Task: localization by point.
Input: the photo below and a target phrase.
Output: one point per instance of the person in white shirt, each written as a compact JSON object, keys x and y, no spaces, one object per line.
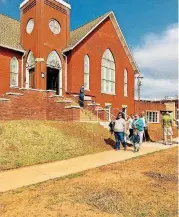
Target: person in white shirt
{"x":119,"y":132}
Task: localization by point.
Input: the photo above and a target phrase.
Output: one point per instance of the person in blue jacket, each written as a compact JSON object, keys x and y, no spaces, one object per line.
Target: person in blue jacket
{"x":82,"y":95}
{"x":138,"y":126}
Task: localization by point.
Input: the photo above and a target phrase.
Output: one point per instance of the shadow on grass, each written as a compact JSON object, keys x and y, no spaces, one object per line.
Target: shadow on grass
{"x":110,"y":142}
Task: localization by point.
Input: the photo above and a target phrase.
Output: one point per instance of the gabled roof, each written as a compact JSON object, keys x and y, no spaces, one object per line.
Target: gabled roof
{"x":82,"y":32}
{"x":10,"y":33}
{"x":78,"y":34}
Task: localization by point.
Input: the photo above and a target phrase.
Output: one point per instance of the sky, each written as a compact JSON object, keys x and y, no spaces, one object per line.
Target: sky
{"x":151,"y":31}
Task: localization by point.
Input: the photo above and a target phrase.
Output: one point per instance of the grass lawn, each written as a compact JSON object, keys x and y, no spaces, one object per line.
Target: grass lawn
{"x":141,"y":187}
{"x":24,"y":143}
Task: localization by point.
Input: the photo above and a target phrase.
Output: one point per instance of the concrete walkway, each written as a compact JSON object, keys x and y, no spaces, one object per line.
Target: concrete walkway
{"x":17,"y":178}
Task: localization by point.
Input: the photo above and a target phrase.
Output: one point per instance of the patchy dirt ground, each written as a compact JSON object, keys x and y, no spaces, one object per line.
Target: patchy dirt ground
{"x":141,"y":187}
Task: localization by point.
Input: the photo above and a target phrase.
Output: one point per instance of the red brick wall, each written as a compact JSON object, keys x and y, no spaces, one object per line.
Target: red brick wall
{"x":36,"y":105}
{"x":141,"y":106}
{"x":42,"y":41}
{"x":5,"y":57}
{"x":155,"y":129}
{"x":104,"y":37}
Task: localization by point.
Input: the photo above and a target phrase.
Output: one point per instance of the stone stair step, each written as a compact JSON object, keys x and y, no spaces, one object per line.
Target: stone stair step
{"x":72,"y":106}
{"x":64,"y":101}
{"x":55,"y":96}
{"x":4,"y":100}
{"x":14,"y":94}
{"x":93,"y":104}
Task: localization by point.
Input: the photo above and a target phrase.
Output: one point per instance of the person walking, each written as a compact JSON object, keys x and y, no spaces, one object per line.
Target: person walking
{"x":119,"y":132}
{"x":146,"y":136}
{"x":167,"y":127}
{"x":138,"y":126}
{"x":82,"y":95}
{"x":130,"y":121}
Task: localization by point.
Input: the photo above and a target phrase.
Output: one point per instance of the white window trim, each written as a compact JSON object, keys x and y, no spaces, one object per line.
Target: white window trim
{"x":158,"y":117}
{"x":109,"y":80}
{"x":17,"y":85}
{"x":87,"y":88}
{"x":126,"y":82}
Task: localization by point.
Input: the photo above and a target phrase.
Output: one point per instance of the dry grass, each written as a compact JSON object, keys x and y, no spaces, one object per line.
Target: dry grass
{"x":141,"y":187}
{"x":24,"y":143}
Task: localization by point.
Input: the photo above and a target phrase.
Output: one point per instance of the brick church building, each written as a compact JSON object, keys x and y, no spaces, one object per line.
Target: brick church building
{"x":39,"y":55}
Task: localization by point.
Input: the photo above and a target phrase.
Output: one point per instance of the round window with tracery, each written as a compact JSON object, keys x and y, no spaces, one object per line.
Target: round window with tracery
{"x":54,"y":26}
{"x":30,"y":26}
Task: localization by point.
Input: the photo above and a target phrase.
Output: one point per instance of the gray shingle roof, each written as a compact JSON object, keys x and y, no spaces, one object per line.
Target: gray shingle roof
{"x":10,"y":33}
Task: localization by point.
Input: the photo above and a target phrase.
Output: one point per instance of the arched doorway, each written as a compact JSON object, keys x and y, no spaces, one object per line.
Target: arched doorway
{"x":30,"y":70}
{"x":54,"y":73}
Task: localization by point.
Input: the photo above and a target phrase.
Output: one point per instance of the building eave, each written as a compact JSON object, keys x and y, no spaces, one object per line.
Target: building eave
{"x":11,"y":48}
{"x":121,"y":38}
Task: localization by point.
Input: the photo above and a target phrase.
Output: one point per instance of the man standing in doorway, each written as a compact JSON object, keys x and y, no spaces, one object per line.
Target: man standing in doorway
{"x":167,"y":127}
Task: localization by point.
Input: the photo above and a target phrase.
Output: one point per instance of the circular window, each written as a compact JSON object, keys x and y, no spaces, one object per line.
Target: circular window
{"x":54,"y":26}
{"x":30,"y":26}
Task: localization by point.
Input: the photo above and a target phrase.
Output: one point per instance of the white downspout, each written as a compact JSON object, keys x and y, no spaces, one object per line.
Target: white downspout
{"x":22,"y":70}
{"x":66,"y":70}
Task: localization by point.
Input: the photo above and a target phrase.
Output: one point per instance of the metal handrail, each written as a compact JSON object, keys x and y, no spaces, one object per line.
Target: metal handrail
{"x":88,"y":107}
{"x":97,"y":109}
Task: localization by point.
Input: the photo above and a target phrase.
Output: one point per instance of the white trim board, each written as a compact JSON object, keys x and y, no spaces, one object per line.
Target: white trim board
{"x":121,"y":38}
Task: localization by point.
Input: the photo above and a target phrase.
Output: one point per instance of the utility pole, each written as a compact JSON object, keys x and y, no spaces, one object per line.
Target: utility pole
{"x":139,"y":84}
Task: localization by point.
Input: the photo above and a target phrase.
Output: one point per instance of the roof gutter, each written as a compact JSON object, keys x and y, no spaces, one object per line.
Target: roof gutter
{"x":11,"y":48}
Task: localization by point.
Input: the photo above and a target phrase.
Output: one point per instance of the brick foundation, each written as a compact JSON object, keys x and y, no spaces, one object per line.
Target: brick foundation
{"x":36,"y":105}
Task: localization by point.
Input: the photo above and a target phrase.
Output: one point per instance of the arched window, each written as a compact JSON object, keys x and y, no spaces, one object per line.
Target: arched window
{"x":54,"y":73}
{"x":125,"y":82}
{"x":86,"y":72}
{"x":108,"y":73}
{"x":30,"y":60}
{"x":53,"y":60}
{"x":14,"y":69}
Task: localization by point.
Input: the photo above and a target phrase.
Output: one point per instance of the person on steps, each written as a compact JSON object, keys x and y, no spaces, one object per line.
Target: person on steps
{"x":82,"y":95}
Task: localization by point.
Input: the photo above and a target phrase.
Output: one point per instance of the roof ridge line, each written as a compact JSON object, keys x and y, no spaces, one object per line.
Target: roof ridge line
{"x":10,"y":17}
{"x":107,"y":13}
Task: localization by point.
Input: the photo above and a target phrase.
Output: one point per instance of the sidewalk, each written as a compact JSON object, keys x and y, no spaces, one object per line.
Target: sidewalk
{"x":17,"y":178}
